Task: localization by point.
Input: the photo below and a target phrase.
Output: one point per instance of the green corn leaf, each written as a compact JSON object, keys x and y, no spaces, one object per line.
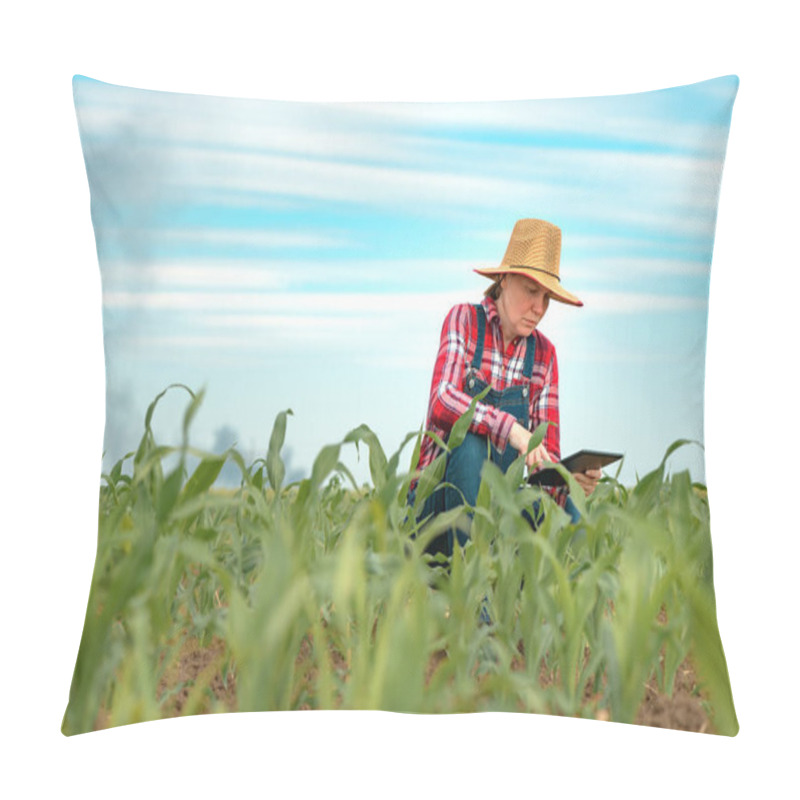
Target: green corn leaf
{"x":191,"y":411}
{"x":347,"y":473}
{"x":439,"y":442}
{"x":675,"y":445}
{"x":461,"y":426}
{"x":377,"y":456}
{"x":275,"y":466}
{"x":538,"y":436}
{"x":152,"y":407}
{"x":324,"y":464}
{"x":168,"y":494}
{"x":394,"y":461}
{"x":203,"y":477}
{"x":429,"y":480}
{"x":205,"y":534}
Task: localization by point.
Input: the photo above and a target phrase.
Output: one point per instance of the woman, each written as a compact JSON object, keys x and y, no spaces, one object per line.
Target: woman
{"x":497,"y":344}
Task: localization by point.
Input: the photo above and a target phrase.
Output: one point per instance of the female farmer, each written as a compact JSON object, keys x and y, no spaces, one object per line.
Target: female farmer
{"x":497,"y":343}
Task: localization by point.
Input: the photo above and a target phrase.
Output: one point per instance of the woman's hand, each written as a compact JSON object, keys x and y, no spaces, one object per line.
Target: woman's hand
{"x":588,"y":480}
{"x":519,"y":438}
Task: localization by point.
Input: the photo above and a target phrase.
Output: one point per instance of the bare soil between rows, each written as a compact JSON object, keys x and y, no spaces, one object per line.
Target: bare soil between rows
{"x":189,"y":685}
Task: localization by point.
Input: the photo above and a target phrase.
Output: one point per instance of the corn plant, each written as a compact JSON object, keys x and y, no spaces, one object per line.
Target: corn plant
{"x":319,"y":594}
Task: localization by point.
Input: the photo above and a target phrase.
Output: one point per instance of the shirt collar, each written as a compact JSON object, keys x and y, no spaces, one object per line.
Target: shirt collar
{"x":490,"y":307}
{"x":493,"y":318}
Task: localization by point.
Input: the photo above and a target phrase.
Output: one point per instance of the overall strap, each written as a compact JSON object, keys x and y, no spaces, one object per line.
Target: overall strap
{"x":530,"y":352}
{"x":478,"y":357}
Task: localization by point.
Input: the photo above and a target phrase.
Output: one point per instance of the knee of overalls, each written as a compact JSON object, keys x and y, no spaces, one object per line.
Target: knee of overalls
{"x":464,"y":466}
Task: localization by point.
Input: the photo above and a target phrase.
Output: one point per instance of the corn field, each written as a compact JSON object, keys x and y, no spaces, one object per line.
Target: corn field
{"x":318,"y":594}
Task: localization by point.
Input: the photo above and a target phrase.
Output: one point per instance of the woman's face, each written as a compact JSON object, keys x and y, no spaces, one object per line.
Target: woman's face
{"x":521,"y":305}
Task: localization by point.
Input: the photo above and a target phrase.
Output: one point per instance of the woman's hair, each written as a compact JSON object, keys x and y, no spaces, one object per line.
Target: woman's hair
{"x":494,"y":290}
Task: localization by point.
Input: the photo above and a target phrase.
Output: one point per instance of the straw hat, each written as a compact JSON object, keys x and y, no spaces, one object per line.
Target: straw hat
{"x":534,"y":251}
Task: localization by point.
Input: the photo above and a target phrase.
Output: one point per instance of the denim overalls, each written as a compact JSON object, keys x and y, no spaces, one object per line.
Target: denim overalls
{"x":465,"y":462}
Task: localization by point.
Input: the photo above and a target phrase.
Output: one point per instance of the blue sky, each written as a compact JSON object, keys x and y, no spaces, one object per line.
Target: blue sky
{"x":303,"y":256}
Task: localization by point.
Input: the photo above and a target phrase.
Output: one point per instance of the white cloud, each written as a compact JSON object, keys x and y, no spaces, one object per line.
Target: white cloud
{"x":301,"y":303}
{"x":207,"y":235}
{"x":639,"y":302}
{"x":249,"y":238}
{"x":304,"y":304}
{"x":612,"y":117}
{"x":635,"y":267}
{"x":369,"y":338}
{"x":291,"y":325}
{"x":284,"y":273}
{"x":334,"y":180}
{"x":537,"y":176}
{"x":381,"y":131}
{"x":625,"y":357}
{"x":193,"y":275}
{"x":401,"y":155}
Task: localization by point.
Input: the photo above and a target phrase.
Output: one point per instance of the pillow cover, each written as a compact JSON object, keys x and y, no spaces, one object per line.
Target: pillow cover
{"x":275,"y":280}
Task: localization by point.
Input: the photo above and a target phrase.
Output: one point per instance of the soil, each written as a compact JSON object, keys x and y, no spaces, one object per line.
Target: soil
{"x":197,"y":673}
{"x":197,"y":676}
{"x":683,"y":711}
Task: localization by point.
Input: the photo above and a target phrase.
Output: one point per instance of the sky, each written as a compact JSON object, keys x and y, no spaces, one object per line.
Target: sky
{"x":303,"y":256}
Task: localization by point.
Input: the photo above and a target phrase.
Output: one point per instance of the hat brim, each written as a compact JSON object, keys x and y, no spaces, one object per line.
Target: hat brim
{"x":553,"y":286}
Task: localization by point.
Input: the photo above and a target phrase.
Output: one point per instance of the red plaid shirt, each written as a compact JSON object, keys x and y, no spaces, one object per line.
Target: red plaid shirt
{"x":500,"y":368}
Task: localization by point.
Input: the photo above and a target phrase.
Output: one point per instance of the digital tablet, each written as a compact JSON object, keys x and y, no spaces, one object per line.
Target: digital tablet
{"x":577,"y":462}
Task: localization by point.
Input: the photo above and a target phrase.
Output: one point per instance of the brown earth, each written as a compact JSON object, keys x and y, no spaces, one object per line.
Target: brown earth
{"x":683,"y":711}
{"x":189,"y":683}
{"x":197,"y":676}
